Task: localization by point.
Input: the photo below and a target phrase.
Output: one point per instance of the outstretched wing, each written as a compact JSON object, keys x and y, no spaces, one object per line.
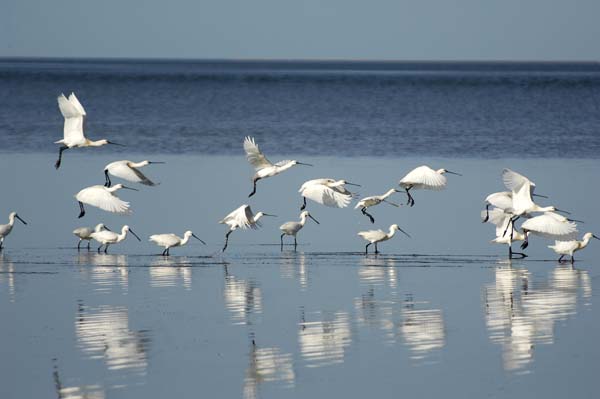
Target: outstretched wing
{"x":73,"y":114}
{"x":326,"y":196}
{"x":124,"y":171}
{"x":514,"y":181}
{"x":424,"y":177}
{"x":256,"y":158}
{"x":99,"y":197}
{"x":551,"y":226}
{"x":502,"y":200}
{"x":240,"y":218}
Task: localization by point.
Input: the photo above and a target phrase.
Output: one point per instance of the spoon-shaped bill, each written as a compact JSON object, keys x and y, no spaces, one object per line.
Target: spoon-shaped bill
{"x":268,"y":214}
{"x":303,"y":163}
{"x":19,"y":217}
{"x":408,"y":235}
{"x":130,"y":188}
{"x":453,"y":173}
{"x":316,"y":221}
{"x":135,"y":235}
{"x":196,"y":237}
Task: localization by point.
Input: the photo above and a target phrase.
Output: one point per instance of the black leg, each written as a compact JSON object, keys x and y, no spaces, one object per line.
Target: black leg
{"x":106,"y":249}
{"x":303,"y":204}
{"x":367,"y":249}
{"x":411,"y":200}
{"x":511,"y":254}
{"x":88,"y":245}
{"x":100,"y":247}
{"x":487,"y":213}
{"x":364,"y":212}
{"x":254,"y":187}
{"x":572,"y":259}
{"x":226,"y":240}
{"x":164,"y":252}
{"x":376,"y":250}
{"x":295,"y":243}
{"x":107,"y":182}
{"x":78,"y":244}
{"x":560,"y":259}
{"x":282,"y":241}
{"x":60,"y":151}
{"x":168,"y":251}
{"x":81,"y":210}
{"x":525,"y":243}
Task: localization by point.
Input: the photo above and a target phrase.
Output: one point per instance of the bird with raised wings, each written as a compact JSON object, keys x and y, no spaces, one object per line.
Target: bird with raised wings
{"x":74,"y":114}
{"x":129,"y":171}
{"x":328,"y":192}
{"x":264,"y":168}
{"x":241,"y":218}
{"x":424,"y":178}
{"x":103,"y":198}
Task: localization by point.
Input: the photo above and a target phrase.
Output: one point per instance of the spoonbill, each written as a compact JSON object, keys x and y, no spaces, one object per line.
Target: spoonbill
{"x":376,"y":236}
{"x":129,"y":171}
{"x":73,"y":112}
{"x":425,"y":178}
{"x":103,"y":198}
{"x":327,"y":192}
{"x":242,"y":218}
{"x":564,"y":248}
{"x":106,"y":237}
{"x":550,"y":225}
{"x":169,"y":241}
{"x":5,"y":229}
{"x":292,"y":228}
{"x":501,"y":220}
{"x":264,"y":168}
{"x":368,"y":202}
{"x":85,"y":233}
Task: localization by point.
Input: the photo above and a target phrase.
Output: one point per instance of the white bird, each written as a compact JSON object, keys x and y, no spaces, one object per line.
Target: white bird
{"x":376,"y":236}
{"x":328,"y":192}
{"x":169,"y":241}
{"x":292,"y":228}
{"x":74,"y":114}
{"x":103,"y":198}
{"x":85,"y":233}
{"x":5,"y":229}
{"x":106,"y":237}
{"x":501,"y":220}
{"x":424,"y":178}
{"x":368,"y":202}
{"x":563,"y":248}
{"x":242,"y":218}
{"x":129,"y":171}
{"x":264,"y":168}
{"x":549,"y":225}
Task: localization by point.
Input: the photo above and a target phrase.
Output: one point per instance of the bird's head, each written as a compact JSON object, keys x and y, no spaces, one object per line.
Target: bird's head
{"x":442,"y":171}
{"x":128,"y":229}
{"x":343,"y":183}
{"x":189,"y":234}
{"x":306,"y":214}
{"x":14,"y":215}
{"x":587,"y":236}
{"x":397,"y":228}
{"x":294,"y":162}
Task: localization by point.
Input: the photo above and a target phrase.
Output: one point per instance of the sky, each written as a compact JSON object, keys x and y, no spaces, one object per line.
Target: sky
{"x":303,"y":29}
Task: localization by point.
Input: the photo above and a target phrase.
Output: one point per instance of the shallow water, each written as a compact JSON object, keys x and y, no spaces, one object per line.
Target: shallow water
{"x":440,"y":314}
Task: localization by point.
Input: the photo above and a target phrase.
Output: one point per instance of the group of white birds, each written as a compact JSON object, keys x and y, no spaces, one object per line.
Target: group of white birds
{"x":507,"y":206}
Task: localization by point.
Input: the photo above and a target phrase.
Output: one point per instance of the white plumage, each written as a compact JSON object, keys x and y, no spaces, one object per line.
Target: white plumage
{"x":106,"y":237}
{"x":376,"y":236}
{"x":570,"y":247}
{"x":241,"y":218}
{"x":549,"y":225}
{"x":264,"y":168}
{"x":85,"y":233}
{"x":5,"y":229}
{"x":327,"y":192}
{"x":368,"y":202}
{"x":129,"y":171}
{"x":424,"y":178}
{"x":168,"y":241}
{"x":502,"y":221}
{"x":292,"y":228}
{"x":103,"y":198}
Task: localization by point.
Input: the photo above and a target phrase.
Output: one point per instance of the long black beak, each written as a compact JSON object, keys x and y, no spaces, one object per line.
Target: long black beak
{"x":106,"y":228}
{"x":135,"y":235}
{"x":302,"y":163}
{"x":153,"y":162}
{"x":129,"y":188}
{"x":408,"y":235}
{"x":316,"y":221}
{"x":113,"y":143}
{"x":266,"y":214}
{"x":453,"y":173}
{"x":575,"y":220}
{"x":539,"y":195}
{"x":22,"y":221}
{"x":560,"y":210}
{"x":353,"y":184}
{"x":596,"y":237}
{"x":196,"y":237}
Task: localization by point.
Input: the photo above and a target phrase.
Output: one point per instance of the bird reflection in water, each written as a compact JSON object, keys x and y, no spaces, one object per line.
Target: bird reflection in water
{"x":324,"y":341}
{"x":75,"y":392}
{"x":7,"y":276}
{"x":521,"y":309}
{"x":243,"y":298}
{"x":378,"y":271}
{"x":103,"y":333}
{"x":107,"y":271}
{"x":170,"y":272}
{"x":267,"y":365}
{"x":293,"y":266}
{"x":423,"y":329}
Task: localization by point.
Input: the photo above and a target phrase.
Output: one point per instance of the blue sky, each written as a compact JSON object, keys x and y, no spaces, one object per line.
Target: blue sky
{"x":303,"y":29}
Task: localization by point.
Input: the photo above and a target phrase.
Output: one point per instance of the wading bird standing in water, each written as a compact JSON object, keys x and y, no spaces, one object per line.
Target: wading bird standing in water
{"x":74,"y":114}
{"x":106,"y":237}
{"x":168,"y":241}
{"x":376,"y":236}
{"x":103,"y":198}
{"x":501,"y":220}
{"x":5,"y":229}
{"x":264,"y":168}
{"x":241,"y":218}
{"x":292,"y":228}
{"x":129,"y":171}
{"x":368,"y":202}
{"x":425,"y":178}
{"x":328,"y":192}
{"x":85,"y":233}
{"x":564,"y":248}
